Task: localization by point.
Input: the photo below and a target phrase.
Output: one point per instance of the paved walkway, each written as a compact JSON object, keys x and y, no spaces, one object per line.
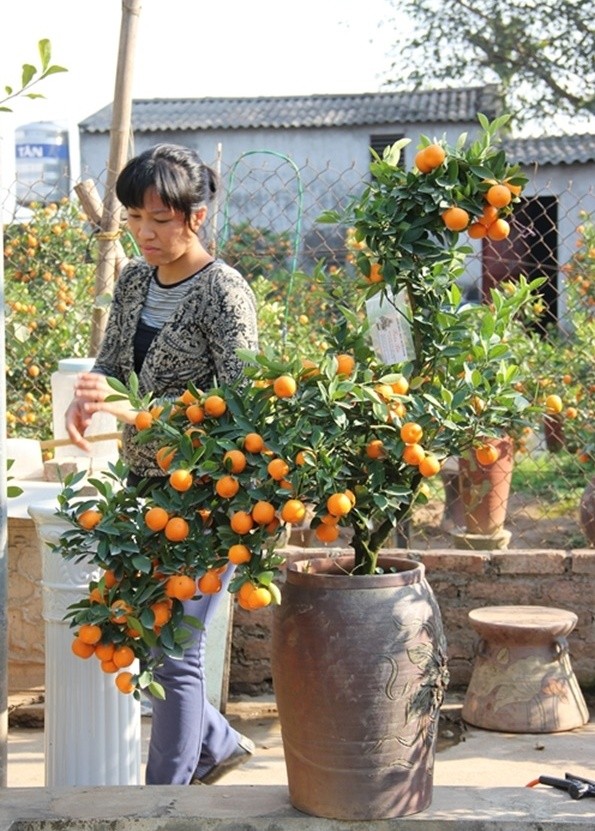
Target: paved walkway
{"x":480,"y":776}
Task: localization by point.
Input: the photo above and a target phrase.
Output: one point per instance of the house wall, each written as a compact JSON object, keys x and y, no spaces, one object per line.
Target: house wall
{"x":339,"y":148}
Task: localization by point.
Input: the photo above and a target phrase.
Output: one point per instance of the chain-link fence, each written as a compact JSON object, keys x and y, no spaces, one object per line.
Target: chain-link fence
{"x":266,"y":225}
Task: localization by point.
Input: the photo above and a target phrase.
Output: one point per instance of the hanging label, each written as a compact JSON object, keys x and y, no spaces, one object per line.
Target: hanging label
{"x":390,"y":329}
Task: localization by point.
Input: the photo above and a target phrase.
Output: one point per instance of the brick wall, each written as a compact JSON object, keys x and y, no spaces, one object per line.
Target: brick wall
{"x":461,"y":581}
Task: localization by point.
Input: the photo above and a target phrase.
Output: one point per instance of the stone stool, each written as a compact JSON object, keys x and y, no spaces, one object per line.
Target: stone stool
{"x":522,"y":680}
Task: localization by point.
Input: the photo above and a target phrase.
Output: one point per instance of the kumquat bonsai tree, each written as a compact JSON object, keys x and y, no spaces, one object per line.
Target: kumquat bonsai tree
{"x":345,"y":440}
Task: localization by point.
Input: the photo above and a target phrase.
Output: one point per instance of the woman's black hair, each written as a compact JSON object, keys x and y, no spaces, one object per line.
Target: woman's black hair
{"x":178,"y":175}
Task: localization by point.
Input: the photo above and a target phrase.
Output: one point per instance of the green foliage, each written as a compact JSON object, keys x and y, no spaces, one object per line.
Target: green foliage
{"x":553,"y":479}
{"x":580,"y":271}
{"x":257,"y":251}
{"x":28,"y":79}
{"x":534,"y":51}
{"x":559,"y":360}
{"x":294,"y":308}
{"x":340,"y":431}
{"x":303,"y":317}
{"x":48,"y":265}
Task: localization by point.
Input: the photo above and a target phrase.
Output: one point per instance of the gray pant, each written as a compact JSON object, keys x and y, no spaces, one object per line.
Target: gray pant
{"x":188,"y":734}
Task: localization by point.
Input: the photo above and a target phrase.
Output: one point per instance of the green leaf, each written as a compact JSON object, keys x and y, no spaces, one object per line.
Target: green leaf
{"x":117,"y":385}
{"x":102,"y":301}
{"x":194,"y":622}
{"x":156,"y":690}
{"x":167,"y":637}
{"x":142,"y":564}
{"x":331,"y":217}
{"x":147,"y":619}
{"x":484,"y":121}
{"x":52,"y":70}
{"x":44,"y":48}
{"x":275,"y":593}
{"x":392,"y":155}
{"x":266,"y":578}
{"x":27,"y":74}
{"x":487,"y":327}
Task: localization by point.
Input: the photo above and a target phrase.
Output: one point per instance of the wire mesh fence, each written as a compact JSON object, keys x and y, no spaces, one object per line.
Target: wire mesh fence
{"x":266,"y":225}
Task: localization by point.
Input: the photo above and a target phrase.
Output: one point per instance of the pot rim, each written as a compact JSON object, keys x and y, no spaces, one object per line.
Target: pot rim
{"x":333,"y":572}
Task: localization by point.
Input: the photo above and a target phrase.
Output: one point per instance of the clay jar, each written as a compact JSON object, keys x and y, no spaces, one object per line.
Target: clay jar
{"x":359,"y":671}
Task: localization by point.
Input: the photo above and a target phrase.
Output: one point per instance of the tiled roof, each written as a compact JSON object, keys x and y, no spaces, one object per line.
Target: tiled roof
{"x":572,"y":149}
{"x":302,"y":111}
{"x":363,"y":109}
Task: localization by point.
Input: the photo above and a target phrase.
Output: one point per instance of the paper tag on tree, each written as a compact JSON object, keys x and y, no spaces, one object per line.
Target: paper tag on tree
{"x":388,"y":316}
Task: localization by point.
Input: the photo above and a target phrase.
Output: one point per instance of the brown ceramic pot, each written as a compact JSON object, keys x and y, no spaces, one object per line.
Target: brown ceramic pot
{"x":359,"y":671}
{"x":587,"y":512}
{"x":553,"y":431}
{"x":485,"y":489}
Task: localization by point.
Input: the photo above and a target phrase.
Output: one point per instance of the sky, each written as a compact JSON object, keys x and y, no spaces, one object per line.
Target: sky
{"x":186,"y":48}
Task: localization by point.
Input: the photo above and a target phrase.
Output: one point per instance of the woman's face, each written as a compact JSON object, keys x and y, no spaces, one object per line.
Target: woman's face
{"x":161,"y":233}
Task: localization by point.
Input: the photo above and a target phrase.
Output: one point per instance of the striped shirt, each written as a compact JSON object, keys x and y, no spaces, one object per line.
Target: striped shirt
{"x":162,"y":300}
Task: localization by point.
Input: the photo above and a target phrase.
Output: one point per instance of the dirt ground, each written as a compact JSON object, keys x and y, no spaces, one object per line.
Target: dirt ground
{"x":528,"y":521}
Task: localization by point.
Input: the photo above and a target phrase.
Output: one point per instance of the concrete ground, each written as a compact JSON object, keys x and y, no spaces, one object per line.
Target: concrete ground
{"x":480,"y":778}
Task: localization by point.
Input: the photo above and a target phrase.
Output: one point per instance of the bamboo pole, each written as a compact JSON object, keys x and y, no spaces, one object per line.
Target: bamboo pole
{"x":119,"y":142}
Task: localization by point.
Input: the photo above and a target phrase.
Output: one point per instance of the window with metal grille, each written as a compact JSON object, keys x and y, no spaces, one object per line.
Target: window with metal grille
{"x":382,"y":140}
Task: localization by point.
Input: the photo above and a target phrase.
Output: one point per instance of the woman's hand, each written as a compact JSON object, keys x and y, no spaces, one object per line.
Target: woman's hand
{"x":90,"y":391}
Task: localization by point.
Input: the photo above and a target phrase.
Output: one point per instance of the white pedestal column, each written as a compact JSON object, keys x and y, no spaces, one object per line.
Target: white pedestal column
{"x":92,"y":730}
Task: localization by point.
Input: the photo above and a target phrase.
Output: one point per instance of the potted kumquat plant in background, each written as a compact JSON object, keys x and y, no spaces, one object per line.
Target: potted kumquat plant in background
{"x":350,"y":436}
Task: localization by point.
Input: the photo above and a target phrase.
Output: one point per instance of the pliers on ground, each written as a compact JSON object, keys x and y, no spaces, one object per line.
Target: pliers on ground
{"x":577,"y":786}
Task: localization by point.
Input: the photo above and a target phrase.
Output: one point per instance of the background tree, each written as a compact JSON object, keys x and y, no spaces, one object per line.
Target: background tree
{"x":28,"y":78}
{"x":541,"y":54}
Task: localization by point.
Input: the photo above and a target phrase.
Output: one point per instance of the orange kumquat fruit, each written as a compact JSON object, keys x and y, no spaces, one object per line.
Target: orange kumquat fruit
{"x":156,"y":518}
{"x":284,"y":386}
{"x":177,"y":529}
{"x":124,"y":682}
{"x":82,"y":649}
{"x":90,"y":633}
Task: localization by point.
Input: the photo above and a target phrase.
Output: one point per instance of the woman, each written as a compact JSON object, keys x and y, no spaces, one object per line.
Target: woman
{"x":177,"y":315}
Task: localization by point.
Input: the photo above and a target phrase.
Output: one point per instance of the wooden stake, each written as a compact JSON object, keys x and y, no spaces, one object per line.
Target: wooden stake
{"x":51,"y":443}
{"x":93,"y":207}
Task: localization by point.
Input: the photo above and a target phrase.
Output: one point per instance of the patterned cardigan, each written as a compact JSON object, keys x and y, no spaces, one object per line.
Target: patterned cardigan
{"x":198,"y":343}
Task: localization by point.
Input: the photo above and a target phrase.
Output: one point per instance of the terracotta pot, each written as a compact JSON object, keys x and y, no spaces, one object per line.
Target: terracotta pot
{"x":485,"y":489}
{"x":553,"y":432}
{"x":359,"y":672}
{"x":454,"y":510}
{"x":587,"y":512}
